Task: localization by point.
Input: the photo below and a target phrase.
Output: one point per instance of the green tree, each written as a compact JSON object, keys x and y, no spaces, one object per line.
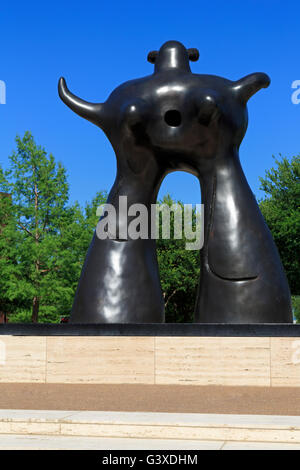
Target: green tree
{"x":76,"y":236}
{"x":179,"y":273}
{"x":11,"y":293}
{"x":281,"y":210}
{"x":296,"y":307}
{"x":32,"y":239}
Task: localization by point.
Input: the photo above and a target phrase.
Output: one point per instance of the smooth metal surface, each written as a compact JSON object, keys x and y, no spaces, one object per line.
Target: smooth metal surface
{"x":176,"y":120}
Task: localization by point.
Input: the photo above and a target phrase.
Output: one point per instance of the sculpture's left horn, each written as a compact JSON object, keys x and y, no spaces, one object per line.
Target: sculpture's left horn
{"x":249,"y":85}
{"x":93,"y":112}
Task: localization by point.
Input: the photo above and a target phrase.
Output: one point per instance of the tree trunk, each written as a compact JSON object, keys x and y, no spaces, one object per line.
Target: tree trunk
{"x":2,"y":317}
{"x":35,"y":309}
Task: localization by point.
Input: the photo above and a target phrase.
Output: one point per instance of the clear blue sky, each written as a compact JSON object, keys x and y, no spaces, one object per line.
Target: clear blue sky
{"x":97,"y":45}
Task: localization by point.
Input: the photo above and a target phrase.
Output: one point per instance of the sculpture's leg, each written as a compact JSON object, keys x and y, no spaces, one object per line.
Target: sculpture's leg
{"x":119,"y":284}
{"x":242,"y":278}
{"x":120,"y":281}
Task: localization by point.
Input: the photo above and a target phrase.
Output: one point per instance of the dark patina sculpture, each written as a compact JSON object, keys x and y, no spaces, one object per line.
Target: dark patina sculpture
{"x":176,"y":120}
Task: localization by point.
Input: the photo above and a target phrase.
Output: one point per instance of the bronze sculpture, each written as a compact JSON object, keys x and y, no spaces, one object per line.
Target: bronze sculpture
{"x":176,"y":120}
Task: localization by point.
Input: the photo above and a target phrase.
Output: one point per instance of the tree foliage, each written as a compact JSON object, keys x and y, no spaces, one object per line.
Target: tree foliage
{"x":296,"y":307}
{"x":281,"y":210}
{"x":43,"y":239}
{"x":179,"y":273}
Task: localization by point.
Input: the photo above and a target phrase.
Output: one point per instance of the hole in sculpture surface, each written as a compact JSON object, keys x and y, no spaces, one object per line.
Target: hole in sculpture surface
{"x":173,"y":118}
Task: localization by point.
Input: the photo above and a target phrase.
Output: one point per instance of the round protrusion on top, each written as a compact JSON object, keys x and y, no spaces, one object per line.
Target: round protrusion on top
{"x":193,"y":54}
{"x":152,"y":56}
{"x":173,"y":55}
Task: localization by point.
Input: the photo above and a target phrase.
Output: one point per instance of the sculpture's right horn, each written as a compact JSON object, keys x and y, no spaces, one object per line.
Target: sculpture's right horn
{"x":249,"y":85}
{"x":93,"y":112}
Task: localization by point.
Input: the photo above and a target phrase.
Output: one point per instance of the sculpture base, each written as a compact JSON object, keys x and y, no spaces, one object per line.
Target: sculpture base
{"x":178,"y":354}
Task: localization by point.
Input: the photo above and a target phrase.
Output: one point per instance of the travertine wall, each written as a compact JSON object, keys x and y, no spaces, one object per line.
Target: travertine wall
{"x":151,"y":360}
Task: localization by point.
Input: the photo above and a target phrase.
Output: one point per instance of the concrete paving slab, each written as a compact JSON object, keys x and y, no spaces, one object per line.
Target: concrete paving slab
{"x":161,"y":426}
{"x":259,"y":446}
{"x":20,"y":442}
{"x":184,"y":419}
{"x":34,"y":415}
{"x":40,"y":442}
